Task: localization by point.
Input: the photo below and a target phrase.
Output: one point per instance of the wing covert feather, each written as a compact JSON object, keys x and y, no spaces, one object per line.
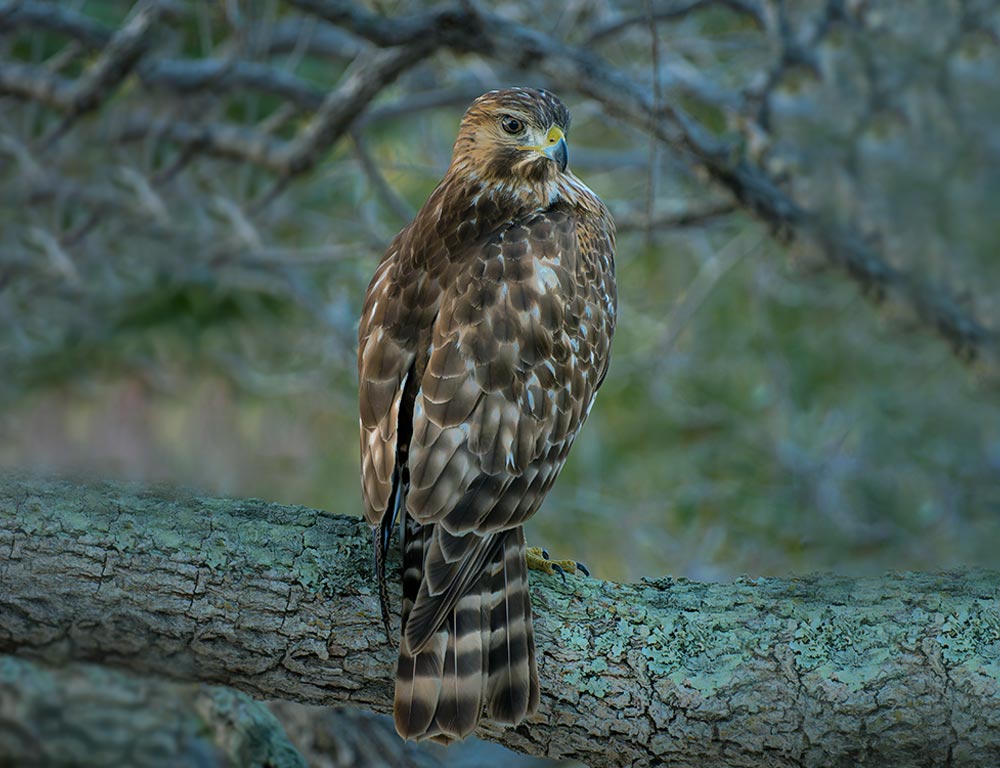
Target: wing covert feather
{"x":384,"y":365}
{"x":510,"y":374}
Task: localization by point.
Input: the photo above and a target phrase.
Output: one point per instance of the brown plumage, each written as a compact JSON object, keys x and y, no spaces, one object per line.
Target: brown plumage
{"x":484,"y":335}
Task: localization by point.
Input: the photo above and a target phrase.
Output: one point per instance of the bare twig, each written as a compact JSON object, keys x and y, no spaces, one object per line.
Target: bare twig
{"x":53,"y":17}
{"x":399,"y":207}
{"x":317,"y":39}
{"x":226,"y":140}
{"x":368,"y":75}
{"x":753,"y":187}
{"x":714,"y":268}
{"x":654,"y":145}
{"x":185,"y":76}
{"x":117,"y":59}
{"x":36,"y":84}
{"x":688,"y":217}
{"x":672,"y":11}
{"x":337,"y":112}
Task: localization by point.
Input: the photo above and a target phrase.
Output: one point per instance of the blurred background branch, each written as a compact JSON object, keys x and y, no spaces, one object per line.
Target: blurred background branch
{"x":406,"y":40}
{"x":87,"y":714}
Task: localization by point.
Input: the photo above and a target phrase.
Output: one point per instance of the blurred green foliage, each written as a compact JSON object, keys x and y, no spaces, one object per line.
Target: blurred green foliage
{"x":164,"y":317}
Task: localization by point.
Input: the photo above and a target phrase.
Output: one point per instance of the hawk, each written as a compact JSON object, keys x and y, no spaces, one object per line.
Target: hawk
{"x":484,"y":336}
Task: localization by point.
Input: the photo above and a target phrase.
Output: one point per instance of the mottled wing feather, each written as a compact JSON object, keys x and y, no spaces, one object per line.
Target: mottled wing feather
{"x":509,"y":378}
{"x":384,"y":364}
{"x":508,"y":383}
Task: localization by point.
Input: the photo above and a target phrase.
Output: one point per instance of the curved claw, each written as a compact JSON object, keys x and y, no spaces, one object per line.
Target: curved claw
{"x":580,"y":568}
{"x":560,"y":570}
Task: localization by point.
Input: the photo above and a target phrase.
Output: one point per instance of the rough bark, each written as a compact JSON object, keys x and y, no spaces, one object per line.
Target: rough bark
{"x":900,"y":670}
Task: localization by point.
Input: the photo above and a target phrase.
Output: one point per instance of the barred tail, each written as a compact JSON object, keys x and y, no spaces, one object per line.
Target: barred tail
{"x":482,"y":653}
{"x":512,"y":684}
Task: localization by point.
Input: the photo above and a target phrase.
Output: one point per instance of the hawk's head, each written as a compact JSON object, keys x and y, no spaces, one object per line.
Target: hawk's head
{"x":513,"y":134}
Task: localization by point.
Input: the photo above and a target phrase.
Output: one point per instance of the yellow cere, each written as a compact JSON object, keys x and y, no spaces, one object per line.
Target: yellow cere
{"x":552,"y":137}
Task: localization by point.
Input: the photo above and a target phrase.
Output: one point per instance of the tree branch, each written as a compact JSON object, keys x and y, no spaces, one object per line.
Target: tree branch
{"x":83,"y":714}
{"x":55,"y":18}
{"x":494,"y":36}
{"x":673,"y":11}
{"x":278,"y":601}
{"x":467,"y":28}
{"x":224,"y":75}
{"x":116,"y":61}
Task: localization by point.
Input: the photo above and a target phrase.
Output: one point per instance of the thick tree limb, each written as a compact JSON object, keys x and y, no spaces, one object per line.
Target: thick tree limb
{"x":277,"y":601}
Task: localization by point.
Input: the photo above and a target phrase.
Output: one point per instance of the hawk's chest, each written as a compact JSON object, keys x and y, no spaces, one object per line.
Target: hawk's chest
{"x":525,"y":290}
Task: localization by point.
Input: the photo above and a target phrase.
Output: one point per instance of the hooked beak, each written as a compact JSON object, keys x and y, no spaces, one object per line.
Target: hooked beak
{"x":555,"y":147}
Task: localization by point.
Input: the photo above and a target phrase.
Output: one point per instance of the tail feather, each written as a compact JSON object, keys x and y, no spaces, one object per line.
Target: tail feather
{"x":419,"y":680}
{"x":461,"y":699}
{"x":435,"y":602}
{"x":418,"y":676}
{"x":512,"y":685}
{"x":482,"y":653}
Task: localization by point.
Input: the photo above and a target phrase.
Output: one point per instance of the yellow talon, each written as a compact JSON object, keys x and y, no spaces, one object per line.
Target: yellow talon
{"x":538,"y":560}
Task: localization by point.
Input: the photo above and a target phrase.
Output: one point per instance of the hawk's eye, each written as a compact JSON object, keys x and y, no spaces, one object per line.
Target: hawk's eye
{"x":511,"y":124}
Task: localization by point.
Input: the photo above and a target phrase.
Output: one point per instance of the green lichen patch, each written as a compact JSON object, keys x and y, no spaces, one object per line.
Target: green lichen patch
{"x":970,"y":636}
{"x":841,"y":644}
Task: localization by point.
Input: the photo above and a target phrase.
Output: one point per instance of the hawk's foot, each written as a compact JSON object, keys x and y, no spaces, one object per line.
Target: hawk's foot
{"x":539,"y":560}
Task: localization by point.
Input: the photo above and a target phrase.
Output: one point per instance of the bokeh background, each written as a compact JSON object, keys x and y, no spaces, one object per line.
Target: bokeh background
{"x":178,"y":300}
{"x":170,"y":314}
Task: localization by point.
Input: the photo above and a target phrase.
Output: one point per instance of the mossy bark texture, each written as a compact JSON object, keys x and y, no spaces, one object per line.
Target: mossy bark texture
{"x":278,"y":601}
